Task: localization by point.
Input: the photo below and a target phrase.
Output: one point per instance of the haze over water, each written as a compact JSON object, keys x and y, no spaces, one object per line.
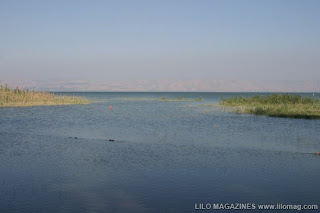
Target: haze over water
{"x":166,"y":40}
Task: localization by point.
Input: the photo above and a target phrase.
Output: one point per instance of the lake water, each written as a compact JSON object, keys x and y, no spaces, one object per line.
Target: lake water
{"x":165,"y":157}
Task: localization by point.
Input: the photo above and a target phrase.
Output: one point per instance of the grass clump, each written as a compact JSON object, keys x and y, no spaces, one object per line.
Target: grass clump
{"x":23,"y":97}
{"x":276,"y":105}
{"x":198,"y":99}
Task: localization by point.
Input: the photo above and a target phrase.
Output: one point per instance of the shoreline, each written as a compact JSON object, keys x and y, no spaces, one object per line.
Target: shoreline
{"x":25,"y":98}
{"x":275,"y":105}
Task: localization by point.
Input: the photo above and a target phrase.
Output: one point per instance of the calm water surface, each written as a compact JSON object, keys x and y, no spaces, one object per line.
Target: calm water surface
{"x":166,"y":157}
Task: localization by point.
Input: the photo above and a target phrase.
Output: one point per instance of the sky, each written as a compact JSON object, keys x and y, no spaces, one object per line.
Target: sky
{"x":149,"y":39}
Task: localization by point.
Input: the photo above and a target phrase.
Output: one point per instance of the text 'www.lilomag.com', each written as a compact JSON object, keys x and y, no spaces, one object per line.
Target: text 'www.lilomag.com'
{"x":253,"y":206}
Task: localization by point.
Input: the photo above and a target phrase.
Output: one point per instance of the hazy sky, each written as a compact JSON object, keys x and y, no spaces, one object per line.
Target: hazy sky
{"x":121,"y":40}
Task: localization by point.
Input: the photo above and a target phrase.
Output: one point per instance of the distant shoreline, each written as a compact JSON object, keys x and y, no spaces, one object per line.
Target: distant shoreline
{"x":168,"y":85}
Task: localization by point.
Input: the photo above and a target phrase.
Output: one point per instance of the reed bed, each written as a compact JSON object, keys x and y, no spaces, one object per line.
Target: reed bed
{"x":276,"y":105}
{"x":23,"y":97}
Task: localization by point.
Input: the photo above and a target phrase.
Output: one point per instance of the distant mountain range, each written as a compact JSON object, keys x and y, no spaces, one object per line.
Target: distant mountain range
{"x":194,"y":85}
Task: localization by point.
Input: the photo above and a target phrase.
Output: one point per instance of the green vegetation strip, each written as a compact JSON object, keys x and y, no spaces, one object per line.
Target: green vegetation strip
{"x":18,"y":98}
{"x":181,"y":99}
{"x":276,"y":105}
{"x":158,"y":99}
